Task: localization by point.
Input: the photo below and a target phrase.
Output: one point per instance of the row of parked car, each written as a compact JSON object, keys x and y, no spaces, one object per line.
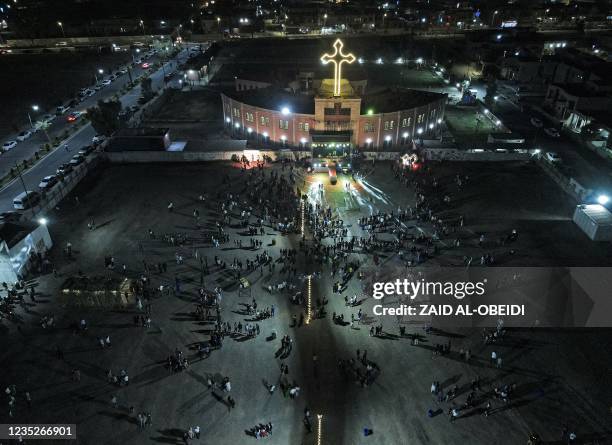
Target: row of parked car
{"x":30,"y":198}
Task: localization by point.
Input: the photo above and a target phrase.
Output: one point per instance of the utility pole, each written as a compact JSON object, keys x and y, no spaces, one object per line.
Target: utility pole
{"x":24,"y":188}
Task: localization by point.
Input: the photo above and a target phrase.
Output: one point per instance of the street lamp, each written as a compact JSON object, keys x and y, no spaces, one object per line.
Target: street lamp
{"x":34,"y":108}
{"x":603,"y":199}
{"x":100,"y":71}
{"x":61,"y":27}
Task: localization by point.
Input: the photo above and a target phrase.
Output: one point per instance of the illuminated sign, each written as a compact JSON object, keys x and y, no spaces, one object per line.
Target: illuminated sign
{"x":337,"y":58}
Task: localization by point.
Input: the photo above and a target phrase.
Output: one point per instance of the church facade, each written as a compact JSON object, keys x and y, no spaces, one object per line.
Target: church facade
{"x":338,"y":118}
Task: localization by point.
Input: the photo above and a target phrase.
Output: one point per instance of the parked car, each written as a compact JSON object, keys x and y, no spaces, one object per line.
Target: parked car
{"x":47,"y":182}
{"x":98,"y":139}
{"x":106,"y":82}
{"x":552,"y":132}
{"x":536,"y":122}
{"x":24,"y":135}
{"x":76,"y":160}
{"x":8,"y":145}
{"x":552,"y":156}
{"x":123,"y":71}
{"x":26,"y":199}
{"x":10,"y":217}
{"x":64,"y":169}
{"x":137,"y":62}
{"x":87,"y":149}
{"x":134,"y":108}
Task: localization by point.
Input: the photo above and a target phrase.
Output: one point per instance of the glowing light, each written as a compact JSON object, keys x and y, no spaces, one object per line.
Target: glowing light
{"x":431,"y":126}
{"x":249,"y":130}
{"x":319,"y":428}
{"x":370,"y":112}
{"x":368,"y":140}
{"x":285,"y":111}
{"x":265,"y":134}
{"x":498,"y":122}
{"x":400,"y":60}
{"x":420,"y":131}
{"x":603,"y":199}
{"x":43,"y":221}
{"x":439,"y":121}
{"x":337,"y":58}
{"x":419,"y":60}
{"x":283,"y":138}
{"x":228,"y":120}
{"x":486,"y":111}
{"x":237,"y":125}
{"x":387,"y":138}
{"x":303,"y":140}
{"x":309,"y":306}
{"x":405,"y":135}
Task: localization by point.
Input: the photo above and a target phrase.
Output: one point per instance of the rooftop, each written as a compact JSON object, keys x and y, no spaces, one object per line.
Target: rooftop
{"x":274,"y":99}
{"x":13,"y":233}
{"x":395,"y":99}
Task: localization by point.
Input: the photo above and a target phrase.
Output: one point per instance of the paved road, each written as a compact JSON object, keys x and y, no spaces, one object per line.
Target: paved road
{"x":83,"y":137}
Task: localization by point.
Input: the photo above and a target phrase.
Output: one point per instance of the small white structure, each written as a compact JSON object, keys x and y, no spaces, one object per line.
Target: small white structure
{"x":20,"y":245}
{"x":595,"y":220}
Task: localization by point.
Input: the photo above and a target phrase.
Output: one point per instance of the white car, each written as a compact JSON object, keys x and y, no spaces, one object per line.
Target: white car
{"x":8,"y":145}
{"x":536,"y":122}
{"x":552,"y":156}
{"x":552,"y":132}
{"x":47,"y":182}
{"x":24,"y":135}
{"x":106,"y":82}
{"x":98,"y":138}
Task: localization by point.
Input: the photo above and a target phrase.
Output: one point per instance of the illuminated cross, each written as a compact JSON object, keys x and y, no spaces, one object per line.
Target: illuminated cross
{"x":337,"y":58}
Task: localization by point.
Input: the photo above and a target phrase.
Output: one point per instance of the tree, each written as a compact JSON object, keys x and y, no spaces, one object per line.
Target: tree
{"x":105,"y":117}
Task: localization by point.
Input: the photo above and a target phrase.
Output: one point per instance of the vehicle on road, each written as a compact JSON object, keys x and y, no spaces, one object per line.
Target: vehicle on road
{"x":552,"y":132}
{"x":24,"y":135}
{"x":47,"y":182}
{"x":146,"y":65}
{"x":137,"y":62}
{"x":26,"y":199}
{"x":98,"y":139}
{"x":536,"y":122}
{"x":8,"y":145}
{"x":61,"y":109}
{"x":107,"y":82}
{"x":553,"y":157}
{"x":76,"y":160}
{"x":344,"y":166}
{"x":72,"y":117}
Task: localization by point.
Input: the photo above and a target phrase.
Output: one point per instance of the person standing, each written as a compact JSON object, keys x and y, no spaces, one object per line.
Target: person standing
{"x":196,"y":431}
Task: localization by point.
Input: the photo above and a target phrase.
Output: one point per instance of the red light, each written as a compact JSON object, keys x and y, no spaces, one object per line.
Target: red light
{"x":145,"y":65}
{"x":415,"y":166}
